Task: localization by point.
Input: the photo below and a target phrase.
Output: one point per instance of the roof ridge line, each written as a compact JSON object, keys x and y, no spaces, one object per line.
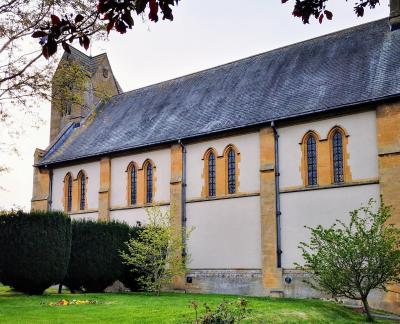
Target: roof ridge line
{"x":88,"y":56}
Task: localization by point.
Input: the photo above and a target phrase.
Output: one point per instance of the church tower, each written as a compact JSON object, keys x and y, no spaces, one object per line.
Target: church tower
{"x":98,"y":83}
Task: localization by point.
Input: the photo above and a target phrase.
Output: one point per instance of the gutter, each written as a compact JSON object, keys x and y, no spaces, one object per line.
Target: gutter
{"x":183,"y":209}
{"x":277,"y":198}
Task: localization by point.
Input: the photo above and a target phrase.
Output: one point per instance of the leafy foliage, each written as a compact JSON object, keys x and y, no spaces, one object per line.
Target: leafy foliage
{"x":349,"y":260}
{"x":305,"y":9}
{"x":118,"y":15}
{"x":157,"y":253}
{"x":35,"y":249}
{"x":95,"y":263}
{"x":69,"y":84}
{"x":228,"y":312}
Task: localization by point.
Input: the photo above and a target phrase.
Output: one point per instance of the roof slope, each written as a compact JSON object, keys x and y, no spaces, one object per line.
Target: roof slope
{"x":355,"y":65}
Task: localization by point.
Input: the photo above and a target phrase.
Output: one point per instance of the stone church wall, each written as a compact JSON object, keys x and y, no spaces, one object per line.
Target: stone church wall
{"x":226,"y":245}
{"x":362,"y":146}
{"x":162,"y":176}
{"x":325,"y":203}
{"x":226,"y":231}
{"x":249,"y":164}
{"x":92,"y":171}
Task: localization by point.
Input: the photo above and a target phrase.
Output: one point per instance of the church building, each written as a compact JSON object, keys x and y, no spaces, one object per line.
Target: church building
{"x":247,"y":153}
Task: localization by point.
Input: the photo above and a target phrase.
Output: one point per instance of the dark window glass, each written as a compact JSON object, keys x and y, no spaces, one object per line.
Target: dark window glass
{"x":83,"y":192}
{"x":133,"y":185}
{"x":149,"y":183}
{"x":69,"y":193}
{"x":337,"y":151}
{"x":312,"y":161}
{"x":211,"y":175}
{"x":231,"y":172}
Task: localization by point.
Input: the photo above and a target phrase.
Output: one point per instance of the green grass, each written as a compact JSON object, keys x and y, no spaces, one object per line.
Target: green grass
{"x":167,"y":308}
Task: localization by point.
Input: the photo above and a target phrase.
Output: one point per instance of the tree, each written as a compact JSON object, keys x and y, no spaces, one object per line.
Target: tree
{"x":118,"y":16}
{"x":22,"y":72}
{"x":350,"y":260}
{"x":156,"y":255}
{"x":25,"y":77}
{"x":305,"y":9}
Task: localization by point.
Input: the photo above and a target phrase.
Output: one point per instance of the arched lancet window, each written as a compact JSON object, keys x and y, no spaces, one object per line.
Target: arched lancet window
{"x":149,"y":182}
{"x":68,"y":192}
{"x":337,"y":157}
{"x":82,"y":190}
{"x":211,"y":175}
{"x":132,"y":184}
{"x":231,"y":171}
{"x":312,"y":179}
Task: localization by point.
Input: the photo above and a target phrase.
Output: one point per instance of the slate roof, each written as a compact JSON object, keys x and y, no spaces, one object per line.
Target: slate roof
{"x":356,"y":65}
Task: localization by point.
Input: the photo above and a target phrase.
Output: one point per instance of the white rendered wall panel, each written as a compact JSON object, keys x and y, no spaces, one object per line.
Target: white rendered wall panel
{"x":86,"y":216}
{"x":317,"y":207}
{"x":132,"y":216}
{"x":226,"y":234}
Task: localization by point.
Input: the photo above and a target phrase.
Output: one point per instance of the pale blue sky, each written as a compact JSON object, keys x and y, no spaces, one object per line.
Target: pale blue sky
{"x":205,"y":33}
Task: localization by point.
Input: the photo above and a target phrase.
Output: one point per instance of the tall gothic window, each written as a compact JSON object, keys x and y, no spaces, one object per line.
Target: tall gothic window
{"x":82,"y":190}
{"x":231,"y":171}
{"x":133,"y":184}
{"x":337,"y":158}
{"x":211,"y":175}
{"x":68,"y":192}
{"x":312,"y":161}
{"x":149,"y":183}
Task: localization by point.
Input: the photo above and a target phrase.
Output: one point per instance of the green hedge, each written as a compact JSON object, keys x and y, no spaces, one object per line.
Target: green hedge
{"x":129,"y":277}
{"x":34,"y":249}
{"x":95,"y":262}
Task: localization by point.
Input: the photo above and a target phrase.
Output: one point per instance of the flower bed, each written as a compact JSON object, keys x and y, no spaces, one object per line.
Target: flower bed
{"x":66,"y":302}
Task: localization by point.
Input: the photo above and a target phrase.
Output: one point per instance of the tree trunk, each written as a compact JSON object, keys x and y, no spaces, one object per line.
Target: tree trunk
{"x":367,"y":309}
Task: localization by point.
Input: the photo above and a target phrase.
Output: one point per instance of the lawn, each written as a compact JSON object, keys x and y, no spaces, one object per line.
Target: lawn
{"x":167,"y":308}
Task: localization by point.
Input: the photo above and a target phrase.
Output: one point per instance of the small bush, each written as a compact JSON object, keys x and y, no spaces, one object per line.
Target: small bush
{"x":95,"y":262}
{"x":157,"y":253}
{"x":34,"y":249}
{"x":225,"y":312}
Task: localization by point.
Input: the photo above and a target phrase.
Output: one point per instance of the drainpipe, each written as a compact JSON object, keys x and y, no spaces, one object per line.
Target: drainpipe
{"x":278,"y":198}
{"x":50,"y":197}
{"x":183,"y":211}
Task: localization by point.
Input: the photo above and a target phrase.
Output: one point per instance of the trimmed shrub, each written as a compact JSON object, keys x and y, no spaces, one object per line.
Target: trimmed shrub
{"x":95,"y":262}
{"x":34,"y":250}
{"x":128,"y":277}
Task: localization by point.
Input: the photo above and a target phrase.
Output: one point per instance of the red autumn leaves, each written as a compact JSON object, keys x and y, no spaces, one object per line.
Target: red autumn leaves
{"x":305,"y":9}
{"x":64,"y":28}
{"x":116,"y":13}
